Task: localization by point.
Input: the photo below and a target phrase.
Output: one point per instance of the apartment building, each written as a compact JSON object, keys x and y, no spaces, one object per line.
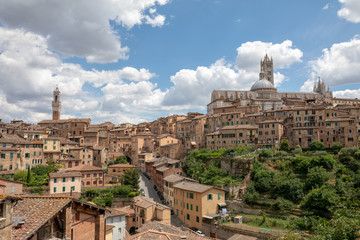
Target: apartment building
{"x":65,"y":182}
{"x":91,"y":176}
{"x":193,"y":201}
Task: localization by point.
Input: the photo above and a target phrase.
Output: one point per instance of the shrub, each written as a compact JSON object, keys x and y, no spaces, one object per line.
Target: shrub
{"x":285,"y":146}
{"x":132,"y":194}
{"x":316,"y":146}
{"x":336,"y":147}
{"x":282,"y":204}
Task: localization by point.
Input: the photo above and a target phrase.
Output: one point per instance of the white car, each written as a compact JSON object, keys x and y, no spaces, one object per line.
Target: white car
{"x":200,"y":233}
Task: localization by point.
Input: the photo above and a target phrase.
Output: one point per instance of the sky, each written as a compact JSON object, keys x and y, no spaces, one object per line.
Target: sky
{"x":134,"y":61}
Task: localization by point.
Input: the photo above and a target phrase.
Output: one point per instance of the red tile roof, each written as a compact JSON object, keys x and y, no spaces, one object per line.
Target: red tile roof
{"x":85,"y":168}
{"x":35,"y":212}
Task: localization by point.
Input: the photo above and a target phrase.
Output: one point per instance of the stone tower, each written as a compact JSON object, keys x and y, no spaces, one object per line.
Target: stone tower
{"x":267,"y":69}
{"x":56,"y":104}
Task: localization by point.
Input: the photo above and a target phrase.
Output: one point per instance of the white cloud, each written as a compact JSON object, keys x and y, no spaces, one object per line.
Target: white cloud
{"x":338,"y":65}
{"x":326,"y":7}
{"x":347,"y":93}
{"x":250,"y":53}
{"x":81,"y":28}
{"x":350,"y":10}
{"x":29,"y":72}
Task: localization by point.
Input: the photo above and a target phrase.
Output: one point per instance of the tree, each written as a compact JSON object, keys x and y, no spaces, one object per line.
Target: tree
{"x":320,"y":200}
{"x":28,"y":176}
{"x":297,"y":150}
{"x":316,"y":177}
{"x":336,"y":147}
{"x":132,"y":178}
{"x":21,"y":176}
{"x":122,"y":191}
{"x":285,"y":146}
{"x":282,"y":204}
{"x":316,"y":146}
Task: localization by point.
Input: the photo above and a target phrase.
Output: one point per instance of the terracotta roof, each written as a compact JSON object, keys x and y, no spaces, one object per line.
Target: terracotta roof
{"x":193,"y":187}
{"x":145,"y":202}
{"x":35,"y":212}
{"x":122,"y":165}
{"x":162,"y":169}
{"x":85,"y":168}
{"x":127,"y":210}
{"x":241,"y":127}
{"x":65,"y":173}
{"x":173,"y":178}
{"x":155,"y":235}
{"x":13,"y":138}
{"x":170,"y":229}
{"x":115,"y":212}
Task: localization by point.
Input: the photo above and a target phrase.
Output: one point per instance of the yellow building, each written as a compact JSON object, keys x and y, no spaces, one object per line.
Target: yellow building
{"x":147,"y":210}
{"x":193,"y":201}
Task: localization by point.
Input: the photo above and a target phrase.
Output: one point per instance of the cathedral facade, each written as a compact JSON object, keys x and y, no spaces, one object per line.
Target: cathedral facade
{"x":263,"y":93}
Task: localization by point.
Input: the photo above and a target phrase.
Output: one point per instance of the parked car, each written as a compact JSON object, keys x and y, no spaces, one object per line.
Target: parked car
{"x":200,"y":233}
{"x":142,"y":191}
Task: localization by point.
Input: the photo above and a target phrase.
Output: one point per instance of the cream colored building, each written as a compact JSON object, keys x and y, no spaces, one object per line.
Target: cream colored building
{"x":65,"y":182}
{"x":193,"y":201}
{"x":147,"y":210}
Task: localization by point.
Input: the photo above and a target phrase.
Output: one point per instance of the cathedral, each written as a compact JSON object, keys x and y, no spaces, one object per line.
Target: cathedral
{"x":265,"y":95}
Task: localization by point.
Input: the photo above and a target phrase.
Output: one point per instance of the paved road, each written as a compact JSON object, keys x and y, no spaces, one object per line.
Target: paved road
{"x":148,"y":187}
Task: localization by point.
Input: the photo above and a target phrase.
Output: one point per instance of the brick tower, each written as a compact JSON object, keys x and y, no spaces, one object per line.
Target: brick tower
{"x":56,"y":104}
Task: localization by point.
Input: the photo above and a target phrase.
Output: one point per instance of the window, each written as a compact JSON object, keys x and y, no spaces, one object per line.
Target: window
{"x":11,"y":155}
{"x":73,"y":179}
{"x":54,"y":189}
{"x":64,"y":179}
{"x":197,"y":208}
{"x":187,"y":206}
{"x":219,"y":196}
{"x":63,"y":189}
{"x":55,"y":180}
{"x":45,"y":147}
{"x":191,"y":208}
{"x":27,"y":155}
{"x":187,"y":216}
{"x":77,"y":216}
{"x":34,"y":153}
{"x":209,"y":197}
{"x":3,"y":155}
{"x":54,"y":147}
{"x":73,"y":188}
{"x":197,"y":219}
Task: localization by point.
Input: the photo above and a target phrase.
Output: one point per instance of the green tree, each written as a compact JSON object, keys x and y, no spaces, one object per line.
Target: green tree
{"x":316,"y":146}
{"x":297,"y":150}
{"x":132,"y":178}
{"x":285,"y":146}
{"x":316,"y":177}
{"x":336,"y":147}
{"x":320,"y":200}
{"x":21,"y":176}
{"x":122,"y":191}
{"x":282,"y":204}
{"x":119,"y":160}
{"x":28,"y":176}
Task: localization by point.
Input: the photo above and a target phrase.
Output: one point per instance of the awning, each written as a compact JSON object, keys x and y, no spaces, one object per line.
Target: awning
{"x":193,"y":143}
{"x":222,"y":204}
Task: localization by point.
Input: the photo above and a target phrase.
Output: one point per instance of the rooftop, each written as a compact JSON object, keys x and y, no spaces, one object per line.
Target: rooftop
{"x":85,"y":168}
{"x":35,"y":212}
{"x":193,"y":186}
{"x":65,"y":173}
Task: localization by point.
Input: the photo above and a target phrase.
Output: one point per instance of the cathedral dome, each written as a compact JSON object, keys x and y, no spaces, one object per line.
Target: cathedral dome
{"x":262,"y":84}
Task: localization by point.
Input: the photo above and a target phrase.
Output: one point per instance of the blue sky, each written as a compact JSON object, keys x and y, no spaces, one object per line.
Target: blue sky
{"x":133,"y":61}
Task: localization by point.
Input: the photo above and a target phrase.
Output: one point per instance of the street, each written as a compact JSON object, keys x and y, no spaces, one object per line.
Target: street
{"x":148,"y":187}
